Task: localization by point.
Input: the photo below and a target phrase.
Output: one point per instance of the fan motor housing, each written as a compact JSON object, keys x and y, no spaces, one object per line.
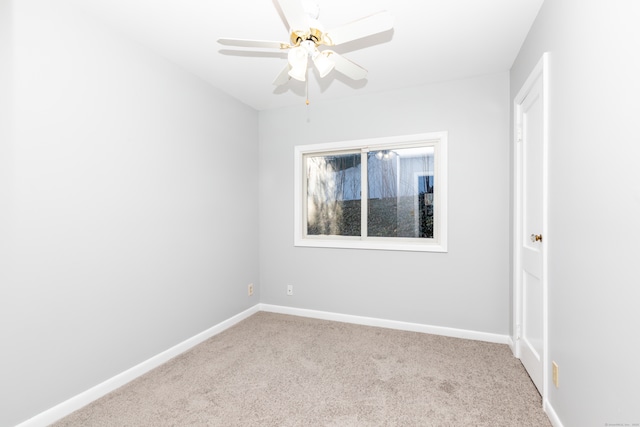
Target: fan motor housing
{"x":314,"y":35}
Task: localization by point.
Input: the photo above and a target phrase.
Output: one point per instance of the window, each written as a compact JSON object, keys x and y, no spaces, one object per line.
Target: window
{"x":386,"y":193}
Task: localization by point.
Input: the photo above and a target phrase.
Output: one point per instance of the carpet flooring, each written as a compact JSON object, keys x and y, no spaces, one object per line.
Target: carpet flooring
{"x":279,"y":370}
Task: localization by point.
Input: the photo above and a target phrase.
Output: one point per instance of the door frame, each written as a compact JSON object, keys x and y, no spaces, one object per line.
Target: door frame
{"x":540,"y":71}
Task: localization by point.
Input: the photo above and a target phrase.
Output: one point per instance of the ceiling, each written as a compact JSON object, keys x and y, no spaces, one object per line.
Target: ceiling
{"x":432,"y":41}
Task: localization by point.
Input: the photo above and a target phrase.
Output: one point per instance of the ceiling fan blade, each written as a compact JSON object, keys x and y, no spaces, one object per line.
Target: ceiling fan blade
{"x":367,"y":26}
{"x":283,"y":77}
{"x":346,"y":66}
{"x":253,"y":43}
{"x":295,"y":15}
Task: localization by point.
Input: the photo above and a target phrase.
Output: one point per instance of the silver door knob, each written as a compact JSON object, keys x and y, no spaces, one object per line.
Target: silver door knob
{"x":536,"y":238}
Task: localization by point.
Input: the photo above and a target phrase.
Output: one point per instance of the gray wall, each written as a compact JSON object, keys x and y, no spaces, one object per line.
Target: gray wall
{"x":132,"y":210}
{"x":468,"y":287}
{"x":594,"y":204}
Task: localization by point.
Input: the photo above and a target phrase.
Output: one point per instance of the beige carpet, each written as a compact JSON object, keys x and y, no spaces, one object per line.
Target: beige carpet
{"x":277,"y":370}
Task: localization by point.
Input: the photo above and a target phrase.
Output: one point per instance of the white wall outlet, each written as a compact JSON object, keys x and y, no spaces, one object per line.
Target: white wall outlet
{"x":250,"y":289}
{"x":289,"y":289}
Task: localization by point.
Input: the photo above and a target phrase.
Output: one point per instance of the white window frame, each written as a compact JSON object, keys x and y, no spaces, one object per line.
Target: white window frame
{"x":416,"y":202}
{"x":437,"y":244}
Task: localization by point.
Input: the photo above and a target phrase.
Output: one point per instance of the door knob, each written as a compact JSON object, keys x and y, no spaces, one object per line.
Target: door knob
{"x":536,"y":237}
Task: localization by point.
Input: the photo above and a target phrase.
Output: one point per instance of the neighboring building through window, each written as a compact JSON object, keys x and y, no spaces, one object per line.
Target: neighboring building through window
{"x":387,"y":193}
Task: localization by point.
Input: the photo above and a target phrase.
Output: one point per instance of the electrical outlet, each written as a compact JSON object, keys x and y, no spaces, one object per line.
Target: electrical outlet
{"x":290,"y":290}
{"x":554,"y":374}
{"x":250,"y":289}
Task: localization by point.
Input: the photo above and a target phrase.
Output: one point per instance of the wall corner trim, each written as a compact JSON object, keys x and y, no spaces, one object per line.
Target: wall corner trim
{"x":389,"y":324}
{"x":65,"y":408}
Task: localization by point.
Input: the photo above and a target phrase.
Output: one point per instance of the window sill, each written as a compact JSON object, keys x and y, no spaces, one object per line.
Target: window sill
{"x":370,"y":244}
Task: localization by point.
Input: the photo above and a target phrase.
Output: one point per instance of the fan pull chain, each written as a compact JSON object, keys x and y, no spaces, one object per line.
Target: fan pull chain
{"x":307,"y":102}
{"x":306,"y":86}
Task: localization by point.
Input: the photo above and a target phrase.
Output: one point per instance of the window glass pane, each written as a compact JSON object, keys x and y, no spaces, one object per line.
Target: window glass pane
{"x":333,"y":194}
{"x":400,"y":186}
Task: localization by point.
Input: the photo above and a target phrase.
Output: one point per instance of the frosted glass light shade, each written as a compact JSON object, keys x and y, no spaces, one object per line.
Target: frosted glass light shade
{"x":298,"y":60}
{"x":323,"y":63}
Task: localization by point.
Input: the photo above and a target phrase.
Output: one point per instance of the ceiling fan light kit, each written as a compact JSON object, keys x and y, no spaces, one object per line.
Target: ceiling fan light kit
{"x":307,"y":35}
{"x":323,"y":63}
{"x":298,"y":61}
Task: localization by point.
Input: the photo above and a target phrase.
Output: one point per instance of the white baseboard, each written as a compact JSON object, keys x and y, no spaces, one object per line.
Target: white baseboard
{"x":73,"y":404}
{"x":551,"y":413}
{"x":512,"y":345}
{"x":67,"y":407}
{"x":389,"y":324}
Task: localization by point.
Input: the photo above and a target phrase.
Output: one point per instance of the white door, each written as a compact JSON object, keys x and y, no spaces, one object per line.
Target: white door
{"x":530,"y":223}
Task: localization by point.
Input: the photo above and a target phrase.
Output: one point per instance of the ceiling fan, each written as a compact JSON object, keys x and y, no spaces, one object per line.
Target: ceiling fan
{"x":307,"y":36}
